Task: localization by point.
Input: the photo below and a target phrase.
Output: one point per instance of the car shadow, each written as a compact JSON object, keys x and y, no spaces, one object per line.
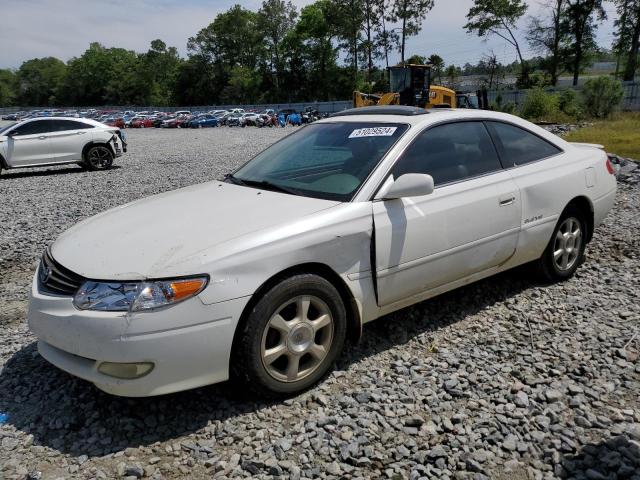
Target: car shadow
{"x":20,"y":173}
{"x":72,"y":416}
{"x":614,"y":457}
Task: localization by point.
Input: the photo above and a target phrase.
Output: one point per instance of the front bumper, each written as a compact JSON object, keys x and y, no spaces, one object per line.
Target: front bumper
{"x":188,"y":343}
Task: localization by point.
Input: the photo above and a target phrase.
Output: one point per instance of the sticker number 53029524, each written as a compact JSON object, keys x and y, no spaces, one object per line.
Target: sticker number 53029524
{"x":373,"y":132}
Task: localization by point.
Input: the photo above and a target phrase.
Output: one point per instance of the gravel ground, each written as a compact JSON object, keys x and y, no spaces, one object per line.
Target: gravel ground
{"x":503,"y":379}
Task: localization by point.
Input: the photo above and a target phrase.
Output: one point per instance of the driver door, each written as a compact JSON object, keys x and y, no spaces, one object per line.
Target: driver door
{"x":29,"y":144}
{"x":469,"y":224}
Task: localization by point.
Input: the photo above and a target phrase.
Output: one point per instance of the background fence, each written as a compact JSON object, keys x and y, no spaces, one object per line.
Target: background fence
{"x":630,"y":100}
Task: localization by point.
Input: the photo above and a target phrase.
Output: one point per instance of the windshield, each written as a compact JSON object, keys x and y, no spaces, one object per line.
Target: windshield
{"x":323,"y":160}
{"x":7,"y":127}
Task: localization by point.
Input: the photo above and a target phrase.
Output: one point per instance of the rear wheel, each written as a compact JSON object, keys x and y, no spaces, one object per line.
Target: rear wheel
{"x":99,"y":157}
{"x":290,"y":338}
{"x":565,"y":251}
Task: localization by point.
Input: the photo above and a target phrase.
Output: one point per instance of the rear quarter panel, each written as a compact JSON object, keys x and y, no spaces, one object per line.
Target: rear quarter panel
{"x":547,"y":187}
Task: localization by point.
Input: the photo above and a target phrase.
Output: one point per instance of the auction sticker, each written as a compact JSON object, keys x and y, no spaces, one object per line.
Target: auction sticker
{"x":373,"y":132}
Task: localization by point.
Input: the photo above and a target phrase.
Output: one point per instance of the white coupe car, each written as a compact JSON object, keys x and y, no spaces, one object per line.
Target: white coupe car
{"x":262,"y":277}
{"x":45,"y":141}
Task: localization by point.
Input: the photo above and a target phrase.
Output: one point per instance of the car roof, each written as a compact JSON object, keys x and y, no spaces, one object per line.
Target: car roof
{"x":433,"y":115}
{"x":88,"y":121}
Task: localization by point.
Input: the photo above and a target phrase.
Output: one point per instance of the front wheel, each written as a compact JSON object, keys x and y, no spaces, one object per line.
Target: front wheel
{"x":565,"y":251}
{"x":291,"y":337}
{"x":99,"y":157}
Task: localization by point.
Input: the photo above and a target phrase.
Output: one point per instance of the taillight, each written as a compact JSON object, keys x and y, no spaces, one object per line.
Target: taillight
{"x":610,"y":168}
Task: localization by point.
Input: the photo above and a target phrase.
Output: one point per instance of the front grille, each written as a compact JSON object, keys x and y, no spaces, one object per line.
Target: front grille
{"x":54,"y":279}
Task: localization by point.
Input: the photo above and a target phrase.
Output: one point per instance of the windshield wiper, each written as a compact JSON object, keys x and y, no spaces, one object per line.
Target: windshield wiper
{"x":266,"y":185}
{"x":233,"y":179}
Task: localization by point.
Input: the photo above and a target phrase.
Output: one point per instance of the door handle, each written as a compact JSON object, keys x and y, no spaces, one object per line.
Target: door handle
{"x":80,"y":133}
{"x":507,"y":201}
{"x":42,"y":137}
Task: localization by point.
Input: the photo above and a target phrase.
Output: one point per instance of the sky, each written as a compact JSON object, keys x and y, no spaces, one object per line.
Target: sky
{"x":64,"y":28}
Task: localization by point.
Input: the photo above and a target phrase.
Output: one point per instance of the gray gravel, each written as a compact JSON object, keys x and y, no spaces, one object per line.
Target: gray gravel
{"x":503,"y":379}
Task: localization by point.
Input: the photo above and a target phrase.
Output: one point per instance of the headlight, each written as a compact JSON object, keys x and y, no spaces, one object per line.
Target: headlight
{"x":136,"y":296}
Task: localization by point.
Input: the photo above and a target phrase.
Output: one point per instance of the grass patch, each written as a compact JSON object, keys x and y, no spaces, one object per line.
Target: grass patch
{"x":619,"y":135}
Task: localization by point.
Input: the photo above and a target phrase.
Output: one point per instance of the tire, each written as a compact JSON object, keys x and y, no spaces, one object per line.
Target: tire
{"x":278,"y":354}
{"x":99,"y":157}
{"x":565,"y":251}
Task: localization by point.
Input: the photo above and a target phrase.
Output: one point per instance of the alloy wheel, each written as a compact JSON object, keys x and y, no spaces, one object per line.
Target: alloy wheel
{"x":297,"y":338}
{"x":100,"y":157}
{"x":567,"y":243}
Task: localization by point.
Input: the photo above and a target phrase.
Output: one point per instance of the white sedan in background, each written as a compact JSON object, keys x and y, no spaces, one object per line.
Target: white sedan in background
{"x":262,"y":277}
{"x":44,"y":141}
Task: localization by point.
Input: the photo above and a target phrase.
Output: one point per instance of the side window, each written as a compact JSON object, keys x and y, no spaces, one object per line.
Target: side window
{"x":64,"y":125}
{"x":33,"y":128}
{"x":450,"y":153}
{"x":517,"y":146}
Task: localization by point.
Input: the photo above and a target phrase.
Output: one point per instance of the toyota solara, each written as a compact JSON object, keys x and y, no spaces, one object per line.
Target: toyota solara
{"x":264,"y":276}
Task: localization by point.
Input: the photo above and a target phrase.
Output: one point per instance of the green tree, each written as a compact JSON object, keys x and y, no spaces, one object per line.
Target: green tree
{"x":410,"y":14}
{"x":370,"y":25}
{"x":276,"y":19}
{"x":437,"y":63}
{"x":545,"y":35}
{"x":416,"y":59}
{"x":627,"y":36}
{"x":451,"y":74}
{"x":386,"y":39}
{"x":232,"y":39}
{"x":602,"y":96}
{"x":8,"y":87}
{"x":500,"y":18}
{"x":316,"y":30}
{"x":243,"y":86}
{"x":196,"y":82}
{"x":579,"y":26}
{"x":39,"y":80}
{"x":159,"y":65}
{"x":350,"y":17}
{"x":104,"y":76}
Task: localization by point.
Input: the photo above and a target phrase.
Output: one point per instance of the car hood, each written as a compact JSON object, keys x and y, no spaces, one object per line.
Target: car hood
{"x":162,"y":235}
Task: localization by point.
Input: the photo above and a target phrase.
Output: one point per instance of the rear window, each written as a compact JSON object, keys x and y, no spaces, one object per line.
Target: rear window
{"x":518,"y":146}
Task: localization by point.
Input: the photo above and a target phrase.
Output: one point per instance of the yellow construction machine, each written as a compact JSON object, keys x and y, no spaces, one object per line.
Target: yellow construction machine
{"x":410,"y":85}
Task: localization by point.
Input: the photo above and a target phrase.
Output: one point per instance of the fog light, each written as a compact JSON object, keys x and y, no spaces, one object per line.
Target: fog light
{"x":125,"y":370}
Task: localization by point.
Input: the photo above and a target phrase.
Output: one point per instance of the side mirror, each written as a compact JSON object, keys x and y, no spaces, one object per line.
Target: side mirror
{"x":407,"y":185}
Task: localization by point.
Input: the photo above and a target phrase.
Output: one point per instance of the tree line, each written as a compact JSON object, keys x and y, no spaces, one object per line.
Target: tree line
{"x":320,"y":53}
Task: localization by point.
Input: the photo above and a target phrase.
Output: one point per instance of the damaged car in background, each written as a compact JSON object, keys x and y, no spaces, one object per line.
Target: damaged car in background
{"x":45,"y":141}
{"x":264,"y":276}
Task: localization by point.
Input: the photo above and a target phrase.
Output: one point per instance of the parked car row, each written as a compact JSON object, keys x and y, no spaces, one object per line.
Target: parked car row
{"x":22,"y":115}
{"x":236,"y":117}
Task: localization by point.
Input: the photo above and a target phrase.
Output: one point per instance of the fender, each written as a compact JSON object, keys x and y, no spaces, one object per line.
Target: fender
{"x":93,"y":143}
